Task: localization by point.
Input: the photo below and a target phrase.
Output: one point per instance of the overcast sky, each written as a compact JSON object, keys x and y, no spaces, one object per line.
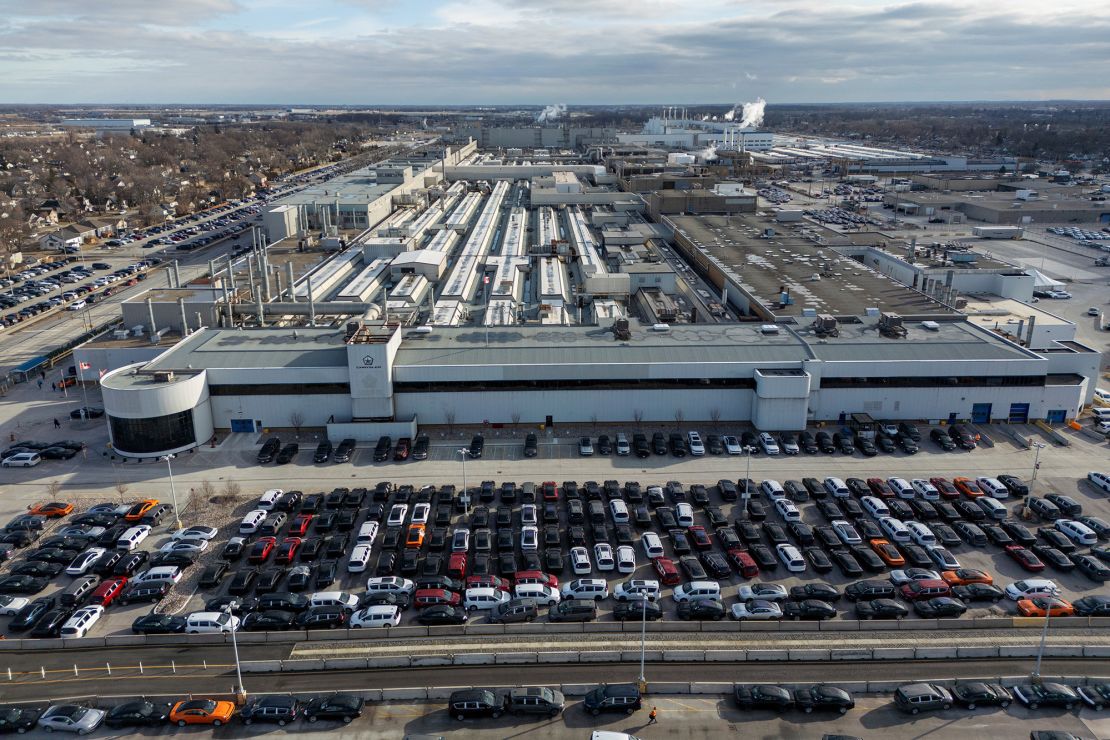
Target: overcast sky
{"x":550,"y":51}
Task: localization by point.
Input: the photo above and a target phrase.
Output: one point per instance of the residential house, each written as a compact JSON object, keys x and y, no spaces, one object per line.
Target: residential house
{"x":69,"y":236}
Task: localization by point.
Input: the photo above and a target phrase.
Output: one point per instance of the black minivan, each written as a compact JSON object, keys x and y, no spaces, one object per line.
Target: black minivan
{"x":476,"y":703}
{"x":617,"y":697}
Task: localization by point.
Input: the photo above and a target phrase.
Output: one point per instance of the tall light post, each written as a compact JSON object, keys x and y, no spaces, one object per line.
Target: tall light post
{"x":173,"y":491}
{"x":747,"y":494}
{"x":1038,"y":446}
{"x":465,"y":495}
{"x":1036,"y":675}
{"x":643,"y":639}
{"x":240,"y":691}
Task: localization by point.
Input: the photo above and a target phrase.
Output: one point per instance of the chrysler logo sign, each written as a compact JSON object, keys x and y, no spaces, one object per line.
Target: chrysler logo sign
{"x":368,"y":361}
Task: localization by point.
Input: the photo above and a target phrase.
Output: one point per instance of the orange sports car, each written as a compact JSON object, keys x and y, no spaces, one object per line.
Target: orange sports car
{"x":967,"y":487}
{"x":415,"y":536}
{"x":964,"y":576}
{"x":139,"y":509}
{"x":52,"y":509}
{"x":1041,"y":606}
{"x":202,"y":712}
{"x":888,"y":552}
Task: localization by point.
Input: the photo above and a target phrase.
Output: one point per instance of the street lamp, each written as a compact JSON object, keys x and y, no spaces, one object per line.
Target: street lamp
{"x":465,"y":495}
{"x":173,"y":491}
{"x":1036,"y":675}
{"x":1038,"y":446}
{"x":240,"y":691}
{"x":748,"y":450}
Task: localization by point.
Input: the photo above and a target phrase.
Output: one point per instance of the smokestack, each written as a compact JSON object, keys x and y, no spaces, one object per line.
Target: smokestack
{"x":150,"y":312}
{"x":184,"y":321}
{"x":200,"y":321}
{"x":280,"y":289}
{"x":1029,"y":338}
{"x":289,"y":280}
{"x":250,"y":273}
{"x":311,"y":305}
{"x":212,"y":268}
{"x":169,"y":276}
{"x":176,"y":274}
{"x":258,"y":300}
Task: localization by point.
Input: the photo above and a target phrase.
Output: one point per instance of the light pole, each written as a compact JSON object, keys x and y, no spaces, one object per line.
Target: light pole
{"x":1038,"y":446}
{"x":465,"y":495}
{"x":643,"y":639}
{"x":173,"y":491}
{"x":748,"y":450}
{"x":1036,"y":675}
{"x":240,"y":691}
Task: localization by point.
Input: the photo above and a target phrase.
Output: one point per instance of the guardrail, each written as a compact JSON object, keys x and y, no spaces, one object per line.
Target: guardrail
{"x":548,"y":628}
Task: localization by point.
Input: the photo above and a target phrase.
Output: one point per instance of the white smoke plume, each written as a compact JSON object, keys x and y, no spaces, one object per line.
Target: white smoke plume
{"x":552,"y":112}
{"x":705,"y":117}
{"x":708,"y":154}
{"x":751,"y":114}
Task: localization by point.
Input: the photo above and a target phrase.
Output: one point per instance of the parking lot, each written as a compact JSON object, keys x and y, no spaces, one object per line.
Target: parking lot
{"x":727,"y":525}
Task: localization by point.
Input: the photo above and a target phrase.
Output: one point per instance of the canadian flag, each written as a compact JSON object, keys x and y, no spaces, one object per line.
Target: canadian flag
{"x":86,"y":366}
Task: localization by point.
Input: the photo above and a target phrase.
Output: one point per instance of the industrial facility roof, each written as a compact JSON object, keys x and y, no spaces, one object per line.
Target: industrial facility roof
{"x":256,"y":348}
{"x":948,"y":341}
{"x":765,"y":266}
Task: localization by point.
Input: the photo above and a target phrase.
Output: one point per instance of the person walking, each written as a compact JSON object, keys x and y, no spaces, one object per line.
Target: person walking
{"x":653,"y":716}
{"x":57,"y":424}
{"x":40,"y":384}
{"x":53,"y":386}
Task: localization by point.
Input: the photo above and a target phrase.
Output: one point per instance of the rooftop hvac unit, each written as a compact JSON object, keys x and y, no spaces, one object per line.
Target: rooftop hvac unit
{"x":768,"y":329}
{"x":890,"y":325}
{"x":120,"y":334}
{"x":826,"y":326}
{"x":163,"y":376}
{"x":661,"y":327}
{"x":138,"y":330}
{"x":931,"y":325}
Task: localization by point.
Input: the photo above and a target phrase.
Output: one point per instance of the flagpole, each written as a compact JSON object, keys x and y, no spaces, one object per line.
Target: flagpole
{"x":62,"y":375}
{"x":84,"y":392}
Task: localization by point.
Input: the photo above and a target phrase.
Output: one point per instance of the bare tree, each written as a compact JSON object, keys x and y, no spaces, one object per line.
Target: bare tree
{"x":516,"y":418}
{"x":638,"y":415}
{"x":679,"y":415}
{"x":449,"y":415}
{"x":201,"y":501}
{"x":53,"y":488}
{"x":296,"y":419}
{"x":715,"y":415}
{"x":121,"y":491}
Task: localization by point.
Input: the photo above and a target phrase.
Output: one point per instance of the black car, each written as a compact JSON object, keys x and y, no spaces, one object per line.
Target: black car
{"x":23,"y":585}
{"x":29,"y":615}
{"x":18,"y":719}
{"x":325,"y":574}
{"x":678,"y":445}
{"x":341,"y":707}
{"x":942,"y":440}
{"x":940,"y":606}
{"x":50,"y":624}
{"x":442,"y":614}
{"x":880,"y":609}
{"x":885,"y":443}
{"x":715,"y":564}
{"x":323,"y":452}
{"x":322,"y":617}
{"x":659,"y":443}
{"x":213,"y":574}
{"x":1046,"y":694}
{"x":344,"y":450}
{"x":467,"y":703}
{"x":130,"y":563}
{"x":180,"y":558}
{"x":701,"y":609}
{"x":288,"y":452}
{"x":37,"y":569}
{"x":269,"y":450}
{"x":979,"y":694}
{"x":1095,"y":605}
{"x":477,"y":445}
{"x":243,"y":581}
{"x":612,"y":698}
{"x":140,"y":713}
{"x":278,"y":709}
{"x":847,"y":562}
{"x":1053,"y":557}
{"x":825,"y":443}
{"x":763,"y":697}
{"x":383,"y":449}
{"x":1015,"y":485}
{"x":808,"y":609}
{"x":820,"y":591}
{"x":823,"y":698}
{"x":1090,"y":566}
{"x":818,"y":560}
{"x":531,"y":445}
{"x":978,"y":592}
{"x":637,"y":609}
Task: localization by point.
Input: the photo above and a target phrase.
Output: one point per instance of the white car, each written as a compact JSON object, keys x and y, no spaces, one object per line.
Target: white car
{"x":397,"y":515}
{"x":603,"y":556}
{"x":901,"y":487}
{"x":846,"y":532}
{"x":653,"y":546}
{"x":763,"y":591}
{"x":196,"y":533}
{"x":82,"y":620}
{"x":9,"y":605}
{"x":528,"y":515}
{"x":538,"y":591}
{"x":790,"y":445}
{"x":81,"y":564}
{"x":420,"y":513}
{"x":697,"y":448}
{"x":768,"y":443}
{"x":209,"y":622}
{"x":993,"y":487}
{"x":943,"y":558}
{"x":1031,"y":587}
{"x":637,"y":588}
{"x":360,"y":556}
{"x":684,"y":513}
{"x":791,"y":557}
{"x":379,"y":615}
{"x":390,"y":585}
{"x":732,"y":445}
{"x":187,"y":545}
{"x":483,"y":598}
{"x":580,"y":561}
{"x":626,"y":559}
{"x":22,"y":460}
{"x":530,"y":539}
{"x":1100,"y":481}
{"x":787,"y":510}
{"x":927,"y":490}
{"x":756,"y":609}
{"x":902,"y":576}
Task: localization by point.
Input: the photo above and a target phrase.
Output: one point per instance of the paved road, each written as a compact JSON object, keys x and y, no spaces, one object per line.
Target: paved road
{"x":204,"y":670}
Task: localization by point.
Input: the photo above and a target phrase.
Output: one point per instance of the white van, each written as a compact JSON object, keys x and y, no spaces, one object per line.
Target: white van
{"x":697,"y":590}
{"x":334,"y":598}
{"x":787,"y":510}
{"x":684,"y":512}
{"x":921,"y":534}
{"x":390,"y":585}
{"x":366,"y":533}
{"x":397,"y":515}
{"x":133,"y":537}
{"x":874,"y":506}
{"x":846,"y":532}
{"x":653,"y":546}
{"x":1077,"y":532}
{"x":580,"y":561}
{"x":586,"y":588}
{"x":269,"y":499}
{"x":360,"y":556}
{"x":837,"y":488}
{"x":483,"y":598}
{"x":619,"y":510}
{"x":895,"y":530}
{"x":252,"y":521}
{"x":81,"y":622}
{"x":199,"y":622}
{"x":993,"y":487}
{"x":539,"y":592}
{"x":637,"y":588}
{"x":772,"y":489}
{"x":379,"y":615}
{"x":170,"y":573}
{"x":927,"y":490}
{"x":901,"y":487}
{"x":993,"y":509}
{"x":791,"y":557}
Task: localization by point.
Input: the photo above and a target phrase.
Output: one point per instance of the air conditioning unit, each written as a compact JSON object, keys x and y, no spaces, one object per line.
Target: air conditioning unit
{"x":163,"y":376}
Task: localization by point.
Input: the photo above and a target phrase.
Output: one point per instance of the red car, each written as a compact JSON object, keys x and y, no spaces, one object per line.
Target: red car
{"x":668,"y":573}
{"x":404,"y":447}
{"x":288,"y":550}
{"x":929,"y":588}
{"x":535,"y":576}
{"x":699,"y":538}
{"x":107,"y":591}
{"x":433,"y":596}
{"x":550,"y":491}
{"x":743,"y":563}
{"x":456,"y":565}
{"x":945,"y":488}
{"x":260,"y":550}
{"x":1025,"y":558}
{"x":880,"y":488}
{"x":299,"y":527}
{"x":487,"y":582}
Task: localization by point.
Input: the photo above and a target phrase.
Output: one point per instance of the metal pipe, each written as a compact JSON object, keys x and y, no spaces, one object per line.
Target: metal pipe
{"x":150,"y":311}
{"x":369,"y":311}
{"x":250,"y":273}
{"x":212,"y":268}
{"x":169,"y":277}
{"x":280,"y":287}
{"x":264,"y":268}
{"x":176,"y":274}
{"x":311,"y":305}
{"x":258,"y":299}
{"x":184,"y":321}
{"x":290,"y":281}
{"x":231,"y":277}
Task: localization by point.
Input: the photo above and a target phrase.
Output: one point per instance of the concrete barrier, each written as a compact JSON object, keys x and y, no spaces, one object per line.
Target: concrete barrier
{"x":663,"y":687}
{"x":442,"y":693}
{"x":1096,"y":651}
{"x":126,"y":640}
{"x":919,"y":624}
{"x":473,"y":659}
{"x":890,"y":654}
{"x":404,"y":694}
{"x":516,"y":658}
{"x":726,"y":656}
{"x":882,"y":687}
{"x":683,"y":656}
{"x":567,"y":656}
{"x":83,"y":642}
{"x":261,"y":666}
{"x":977,"y":652}
{"x":808,"y":654}
{"x":334,"y":635}
{"x":306,"y":664}
{"x":599,"y":656}
{"x":421,"y":661}
{"x":576,"y":689}
{"x":711,"y":688}
{"x":562,"y":628}
{"x":935,"y":653}
{"x":485,"y":629}
{"x":802,"y":625}
{"x":14,"y":644}
{"x":1017,"y":651}
{"x":845,"y":625}
{"x":603,"y":626}
{"x":759,"y":626}
{"x":764,"y":655}
{"x":849,"y":654}
{"x":722,"y":626}
{"x":253,"y":638}
{"x":389,"y":661}
{"x":345,"y":664}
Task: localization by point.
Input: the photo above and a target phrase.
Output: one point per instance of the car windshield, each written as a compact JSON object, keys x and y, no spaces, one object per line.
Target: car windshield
{"x":204,"y":705}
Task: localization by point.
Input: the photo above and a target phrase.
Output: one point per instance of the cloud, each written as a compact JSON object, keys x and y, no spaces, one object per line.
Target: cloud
{"x":536,"y":51}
